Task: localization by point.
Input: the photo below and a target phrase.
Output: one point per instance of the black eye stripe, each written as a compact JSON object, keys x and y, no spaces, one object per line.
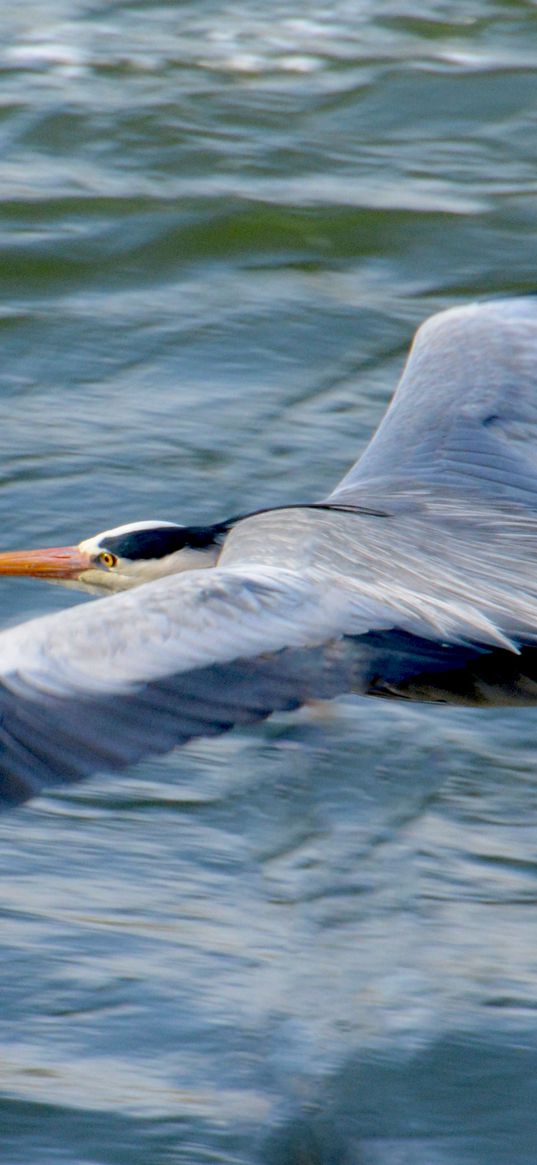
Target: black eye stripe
{"x":161,"y":541}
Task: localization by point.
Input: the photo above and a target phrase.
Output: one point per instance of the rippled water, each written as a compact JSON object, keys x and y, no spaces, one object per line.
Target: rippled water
{"x":312,"y":943}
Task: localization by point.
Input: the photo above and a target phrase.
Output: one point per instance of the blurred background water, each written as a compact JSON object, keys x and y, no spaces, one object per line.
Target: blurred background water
{"x":314,"y":943}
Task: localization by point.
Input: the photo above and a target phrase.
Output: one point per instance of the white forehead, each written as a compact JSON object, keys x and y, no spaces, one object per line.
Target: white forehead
{"x":130,"y":527}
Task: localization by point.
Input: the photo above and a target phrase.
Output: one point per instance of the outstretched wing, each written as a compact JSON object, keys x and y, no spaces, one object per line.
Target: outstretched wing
{"x":464,"y":415}
{"x":104,"y":684}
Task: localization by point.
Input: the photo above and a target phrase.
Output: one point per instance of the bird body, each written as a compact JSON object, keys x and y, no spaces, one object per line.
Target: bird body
{"x":414,"y":578}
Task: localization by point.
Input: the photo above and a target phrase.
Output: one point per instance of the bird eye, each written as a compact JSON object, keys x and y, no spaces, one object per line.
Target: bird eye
{"x":108,"y":559}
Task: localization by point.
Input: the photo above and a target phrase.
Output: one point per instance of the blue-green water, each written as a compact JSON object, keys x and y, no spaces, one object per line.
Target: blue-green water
{"x":314,"y":943}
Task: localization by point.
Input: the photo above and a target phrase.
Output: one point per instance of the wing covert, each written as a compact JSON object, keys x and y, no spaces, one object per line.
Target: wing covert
{"x":104,"y":684}
{"x":464,"y":415}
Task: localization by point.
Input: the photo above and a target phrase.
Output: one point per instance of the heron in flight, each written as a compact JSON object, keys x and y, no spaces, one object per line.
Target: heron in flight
{"x":416,"y":578}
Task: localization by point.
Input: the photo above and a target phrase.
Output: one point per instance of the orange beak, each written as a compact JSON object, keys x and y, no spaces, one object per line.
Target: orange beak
{"x":55,"y":562}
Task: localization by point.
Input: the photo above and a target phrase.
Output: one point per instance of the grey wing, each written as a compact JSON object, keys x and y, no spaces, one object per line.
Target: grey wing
{"x":47,"y":739}
{"x":102,"y":685}
{"x":464,"y":415}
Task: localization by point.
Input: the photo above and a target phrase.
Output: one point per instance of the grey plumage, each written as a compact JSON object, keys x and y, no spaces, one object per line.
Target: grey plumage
{"x":434,"y":596}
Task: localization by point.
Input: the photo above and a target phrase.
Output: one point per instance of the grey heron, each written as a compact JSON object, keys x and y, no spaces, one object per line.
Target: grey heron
{"x":415,"y":578}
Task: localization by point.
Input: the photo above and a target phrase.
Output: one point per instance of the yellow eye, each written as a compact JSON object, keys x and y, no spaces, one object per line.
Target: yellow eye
{"x":108,"y":559}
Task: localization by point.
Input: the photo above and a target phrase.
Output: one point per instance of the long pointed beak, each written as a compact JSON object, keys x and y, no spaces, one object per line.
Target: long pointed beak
{"x":55,"y":562}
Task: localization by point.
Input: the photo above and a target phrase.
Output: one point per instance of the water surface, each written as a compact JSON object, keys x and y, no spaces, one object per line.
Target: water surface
{"x":313,"y":942}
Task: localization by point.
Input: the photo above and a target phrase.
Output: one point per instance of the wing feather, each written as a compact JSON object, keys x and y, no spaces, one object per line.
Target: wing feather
{"x":464,"y":415}
{"x":102,"y":685}
{"x":105,"y":684}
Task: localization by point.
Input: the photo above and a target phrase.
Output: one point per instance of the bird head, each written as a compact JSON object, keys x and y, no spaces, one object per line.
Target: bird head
{"x":123,"y":557}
